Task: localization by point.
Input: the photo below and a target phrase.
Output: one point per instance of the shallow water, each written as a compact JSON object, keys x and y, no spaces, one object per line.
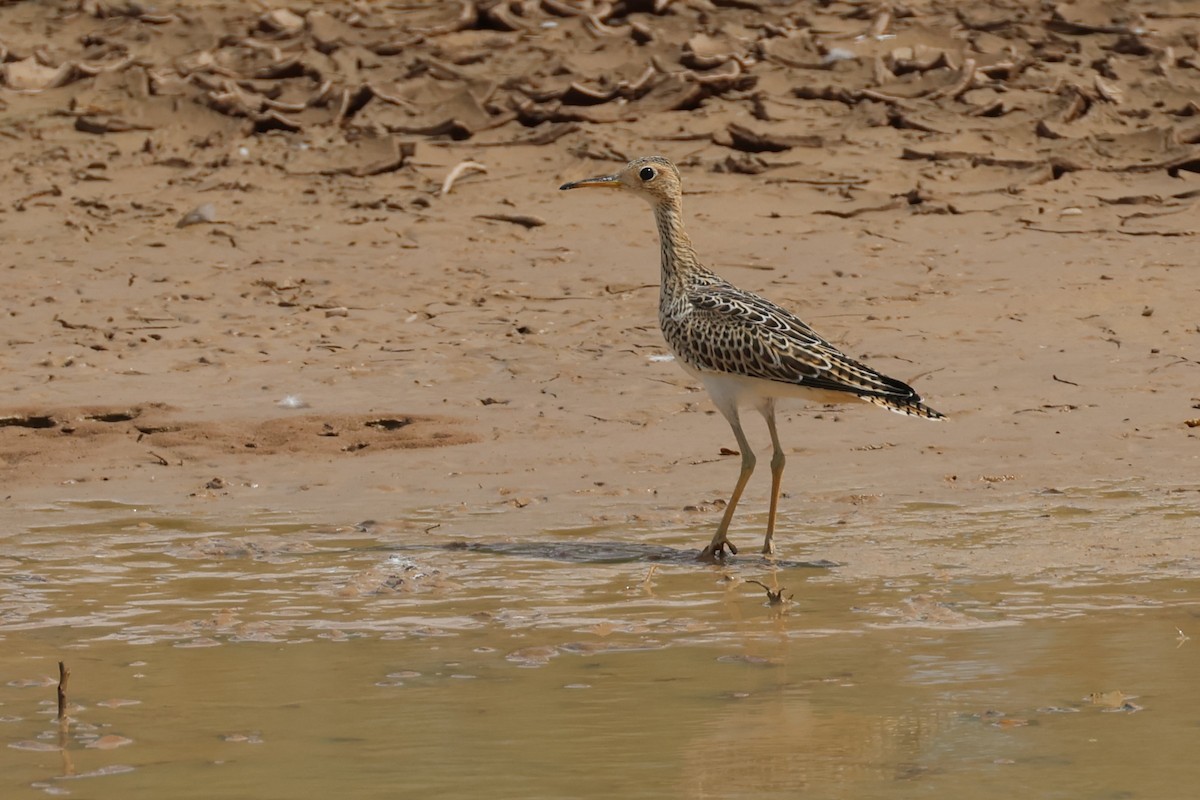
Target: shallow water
{"x":286,"y":659}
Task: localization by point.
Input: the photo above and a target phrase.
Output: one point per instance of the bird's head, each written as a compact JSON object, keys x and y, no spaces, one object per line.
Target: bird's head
{"x":653,"y":178}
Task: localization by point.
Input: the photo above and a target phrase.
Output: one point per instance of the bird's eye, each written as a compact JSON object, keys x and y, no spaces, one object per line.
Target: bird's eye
{"x":647,"y":173}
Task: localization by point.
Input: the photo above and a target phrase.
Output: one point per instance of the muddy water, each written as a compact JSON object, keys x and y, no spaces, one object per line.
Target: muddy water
{"x":289,"y":660}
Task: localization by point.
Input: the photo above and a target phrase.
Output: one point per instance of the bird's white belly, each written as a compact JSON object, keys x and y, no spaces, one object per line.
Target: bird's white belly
{"x":738,"y":391}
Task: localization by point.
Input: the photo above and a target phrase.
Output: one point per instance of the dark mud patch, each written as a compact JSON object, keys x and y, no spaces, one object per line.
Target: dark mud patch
{"x":30,"y":437}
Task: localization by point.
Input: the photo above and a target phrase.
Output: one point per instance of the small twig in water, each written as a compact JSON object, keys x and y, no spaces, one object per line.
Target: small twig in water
{"x":1064,"y":380}
{"x":773,"y":597}
{"x":64,"y":675}
{"x":64,"y":722}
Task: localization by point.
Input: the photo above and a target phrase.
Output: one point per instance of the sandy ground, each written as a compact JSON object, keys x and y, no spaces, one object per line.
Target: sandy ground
{"x":994,"y":201}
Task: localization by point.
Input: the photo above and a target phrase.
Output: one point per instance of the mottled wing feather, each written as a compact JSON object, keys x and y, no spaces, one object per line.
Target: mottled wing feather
{"x":752,"y":336}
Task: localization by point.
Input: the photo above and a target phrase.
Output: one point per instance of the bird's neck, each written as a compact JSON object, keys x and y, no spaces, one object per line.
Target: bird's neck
{"x":678,"y":257}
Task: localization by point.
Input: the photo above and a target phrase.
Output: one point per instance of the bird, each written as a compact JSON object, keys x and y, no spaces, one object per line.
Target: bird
{"x":746,"y":350}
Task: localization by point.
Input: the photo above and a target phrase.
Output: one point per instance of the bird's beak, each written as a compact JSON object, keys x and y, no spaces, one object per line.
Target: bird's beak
{"x":603,"y":182}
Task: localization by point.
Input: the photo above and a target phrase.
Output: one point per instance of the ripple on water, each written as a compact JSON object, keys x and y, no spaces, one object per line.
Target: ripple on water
{"x":436,"y":651}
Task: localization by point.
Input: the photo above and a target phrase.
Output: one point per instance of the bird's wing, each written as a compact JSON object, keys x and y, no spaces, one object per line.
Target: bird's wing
{"x":761,"y":340}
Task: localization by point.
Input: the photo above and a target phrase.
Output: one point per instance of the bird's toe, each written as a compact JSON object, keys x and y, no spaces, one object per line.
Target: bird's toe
{"x":715,"y":552}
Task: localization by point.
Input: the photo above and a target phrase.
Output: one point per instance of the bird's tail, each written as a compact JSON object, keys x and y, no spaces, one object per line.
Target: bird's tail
{"x":909,"y":406}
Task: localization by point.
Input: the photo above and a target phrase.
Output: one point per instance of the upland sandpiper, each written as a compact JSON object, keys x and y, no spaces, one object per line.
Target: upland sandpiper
{"x":746,"y":350}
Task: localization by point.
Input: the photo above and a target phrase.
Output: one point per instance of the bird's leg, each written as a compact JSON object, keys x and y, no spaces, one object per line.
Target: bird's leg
{"x":778,"y":460}
{"x":716,"y":548}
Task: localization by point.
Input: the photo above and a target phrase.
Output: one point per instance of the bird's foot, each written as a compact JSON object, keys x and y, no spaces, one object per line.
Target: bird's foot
{"x":715,"y":552}
{"x":768,"y":548}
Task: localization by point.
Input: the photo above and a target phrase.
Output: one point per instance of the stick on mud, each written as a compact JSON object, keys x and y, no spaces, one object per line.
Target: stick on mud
{"x":456,"y":173}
